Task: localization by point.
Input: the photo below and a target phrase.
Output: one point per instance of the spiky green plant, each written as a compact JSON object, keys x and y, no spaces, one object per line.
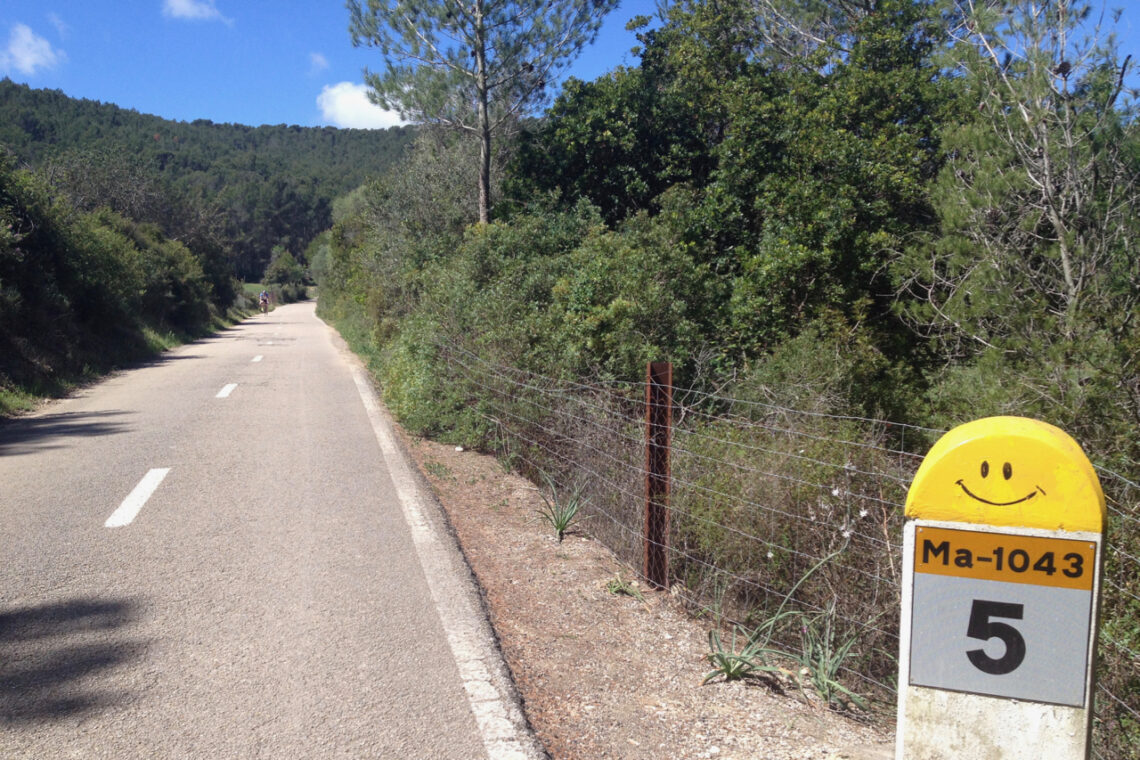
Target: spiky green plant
{"x":822,"y":658}
{"x":561,"y":508}
{"x":620,"y":586}
{"x":729,"y":663}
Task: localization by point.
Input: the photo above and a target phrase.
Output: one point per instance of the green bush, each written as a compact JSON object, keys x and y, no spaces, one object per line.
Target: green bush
{"x":175,"y":291}
{"x":627,"y":298}
{"x":490,"y":297}
{"x":78,"y":292}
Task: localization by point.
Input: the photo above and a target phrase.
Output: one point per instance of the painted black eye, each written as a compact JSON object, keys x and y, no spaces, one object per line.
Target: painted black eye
{"x":1007,"y":470}
{"x":985,"y":469}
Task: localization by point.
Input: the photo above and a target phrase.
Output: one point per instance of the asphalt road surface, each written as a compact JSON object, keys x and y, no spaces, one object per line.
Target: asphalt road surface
{"x":223,"y":554}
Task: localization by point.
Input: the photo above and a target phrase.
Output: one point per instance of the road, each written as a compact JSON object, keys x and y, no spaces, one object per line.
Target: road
{"x":223,"y":554}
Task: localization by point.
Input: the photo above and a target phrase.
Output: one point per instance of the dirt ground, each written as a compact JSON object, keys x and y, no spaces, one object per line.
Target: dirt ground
{"x":606,"y":675}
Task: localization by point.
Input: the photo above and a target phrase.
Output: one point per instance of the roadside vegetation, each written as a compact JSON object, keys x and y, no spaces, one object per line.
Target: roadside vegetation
{"x":907,"y":210}
{"x":749,"y":199}
{"x":122,"y":234}
{"x":82,"y":292}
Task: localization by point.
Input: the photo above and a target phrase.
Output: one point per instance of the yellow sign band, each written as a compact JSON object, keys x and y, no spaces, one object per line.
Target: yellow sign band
{"x":1057,"y":562}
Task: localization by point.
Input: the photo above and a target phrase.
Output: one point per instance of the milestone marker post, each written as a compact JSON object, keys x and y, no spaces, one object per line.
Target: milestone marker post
{"x":1002,"y":552}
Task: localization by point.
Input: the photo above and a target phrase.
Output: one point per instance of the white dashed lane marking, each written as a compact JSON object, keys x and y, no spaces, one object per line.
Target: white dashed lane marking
{"x":225,"y":392}
{"x":134,"y":502}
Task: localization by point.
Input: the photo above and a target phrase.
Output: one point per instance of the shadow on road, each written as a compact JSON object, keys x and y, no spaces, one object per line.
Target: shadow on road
{"x":55,"y":657}
{"x":25,"y":435}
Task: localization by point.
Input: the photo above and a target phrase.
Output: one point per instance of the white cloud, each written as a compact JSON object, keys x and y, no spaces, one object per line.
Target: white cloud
{"x":347,"y":105}
{"x":317,"y":63}
{"x":27,"y":52}
{"x":60,"y":25}
{"x":194,"y":10}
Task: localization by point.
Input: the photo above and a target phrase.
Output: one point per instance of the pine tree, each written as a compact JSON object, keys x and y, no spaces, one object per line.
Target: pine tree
{"x":472,"y":65}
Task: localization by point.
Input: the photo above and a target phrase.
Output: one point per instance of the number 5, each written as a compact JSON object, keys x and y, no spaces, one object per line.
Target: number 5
{"x":981,"y":627}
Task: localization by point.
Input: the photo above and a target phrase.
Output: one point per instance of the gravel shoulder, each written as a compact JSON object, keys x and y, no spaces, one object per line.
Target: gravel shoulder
{"x":604,"y":675}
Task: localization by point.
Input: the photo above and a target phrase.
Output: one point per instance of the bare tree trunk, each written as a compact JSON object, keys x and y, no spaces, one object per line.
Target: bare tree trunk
{"x":484,"y":164}
{"x":484,"y":116}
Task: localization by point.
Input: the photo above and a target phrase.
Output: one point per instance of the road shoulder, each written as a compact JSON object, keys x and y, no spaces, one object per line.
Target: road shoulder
{"x":604,"y":675}
{"x":494,"y":701}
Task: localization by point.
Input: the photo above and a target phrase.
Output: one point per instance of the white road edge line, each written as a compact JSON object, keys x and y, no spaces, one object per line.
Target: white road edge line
{"x":497,"y":714}
{"x":256,"y":358}
{"x":134,"y":502}
{"x":225,"y":392}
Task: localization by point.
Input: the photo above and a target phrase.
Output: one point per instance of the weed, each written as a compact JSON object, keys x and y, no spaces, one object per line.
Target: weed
{"x":560,"y":508}
{"x":762,"y":635}
{"x":438,"y":469}
{"x":14,"y":401}
{"x":719,"y":589}
{"x":158,"y":341}
{"x":750,"y":661}
{"x":729,"y":663}
{"x":620,"y":586}
{"x":822,"y":657}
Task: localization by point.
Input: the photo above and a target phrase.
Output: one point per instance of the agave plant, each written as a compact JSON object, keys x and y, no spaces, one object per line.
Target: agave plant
{"x":560,"y":508}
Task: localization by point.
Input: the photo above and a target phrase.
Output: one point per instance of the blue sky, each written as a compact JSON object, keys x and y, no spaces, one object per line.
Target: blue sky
{"x":246,"y":61}
{"x":242,"y":61}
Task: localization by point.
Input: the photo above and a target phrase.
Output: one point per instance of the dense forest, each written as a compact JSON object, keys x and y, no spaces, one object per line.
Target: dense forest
{"x":122,"y":231}
{"x":899,"y":210}
{"x":265,"y":186}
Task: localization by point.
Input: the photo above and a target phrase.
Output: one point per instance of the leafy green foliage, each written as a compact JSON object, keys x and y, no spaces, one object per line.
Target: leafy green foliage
{"x":704,"y":206}
{"x":1029,"y":289}
{"x":285,"y":277}
{"x":283,"y":269}
{"x":618,"y":142}
{"x":791,"y":186}
{"x":81,"y":292}
{"x":626,"y":298}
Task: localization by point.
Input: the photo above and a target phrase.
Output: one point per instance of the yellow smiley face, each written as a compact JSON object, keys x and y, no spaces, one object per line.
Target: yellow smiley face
{"x":997,"y":489}
{"x":1008,"y":471}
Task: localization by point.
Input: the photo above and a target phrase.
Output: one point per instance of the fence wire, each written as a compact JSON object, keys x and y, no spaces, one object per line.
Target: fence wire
{"x":779,"y":510}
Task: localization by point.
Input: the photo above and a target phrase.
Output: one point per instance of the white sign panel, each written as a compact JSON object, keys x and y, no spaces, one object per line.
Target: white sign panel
{"x":1001,"y":614}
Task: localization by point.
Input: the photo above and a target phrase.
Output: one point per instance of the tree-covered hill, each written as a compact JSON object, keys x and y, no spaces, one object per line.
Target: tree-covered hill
{"x":268,"y":186}
{"x":122,"y":232}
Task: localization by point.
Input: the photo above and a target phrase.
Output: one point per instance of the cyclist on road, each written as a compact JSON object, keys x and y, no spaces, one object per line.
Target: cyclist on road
{"x":263,"y":301}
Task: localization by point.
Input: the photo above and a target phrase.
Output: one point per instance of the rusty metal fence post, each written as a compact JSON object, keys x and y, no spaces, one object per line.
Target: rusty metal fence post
{"x":659,"y":423}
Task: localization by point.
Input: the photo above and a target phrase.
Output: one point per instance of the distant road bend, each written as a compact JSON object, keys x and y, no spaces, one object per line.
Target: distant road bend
{"x":223,"y":554}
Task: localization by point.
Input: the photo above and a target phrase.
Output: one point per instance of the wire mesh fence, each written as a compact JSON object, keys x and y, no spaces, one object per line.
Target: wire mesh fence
{"x":783,"y":521}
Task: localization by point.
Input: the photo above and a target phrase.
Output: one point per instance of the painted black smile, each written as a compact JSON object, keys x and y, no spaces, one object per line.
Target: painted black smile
{"x":975,"y":497}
